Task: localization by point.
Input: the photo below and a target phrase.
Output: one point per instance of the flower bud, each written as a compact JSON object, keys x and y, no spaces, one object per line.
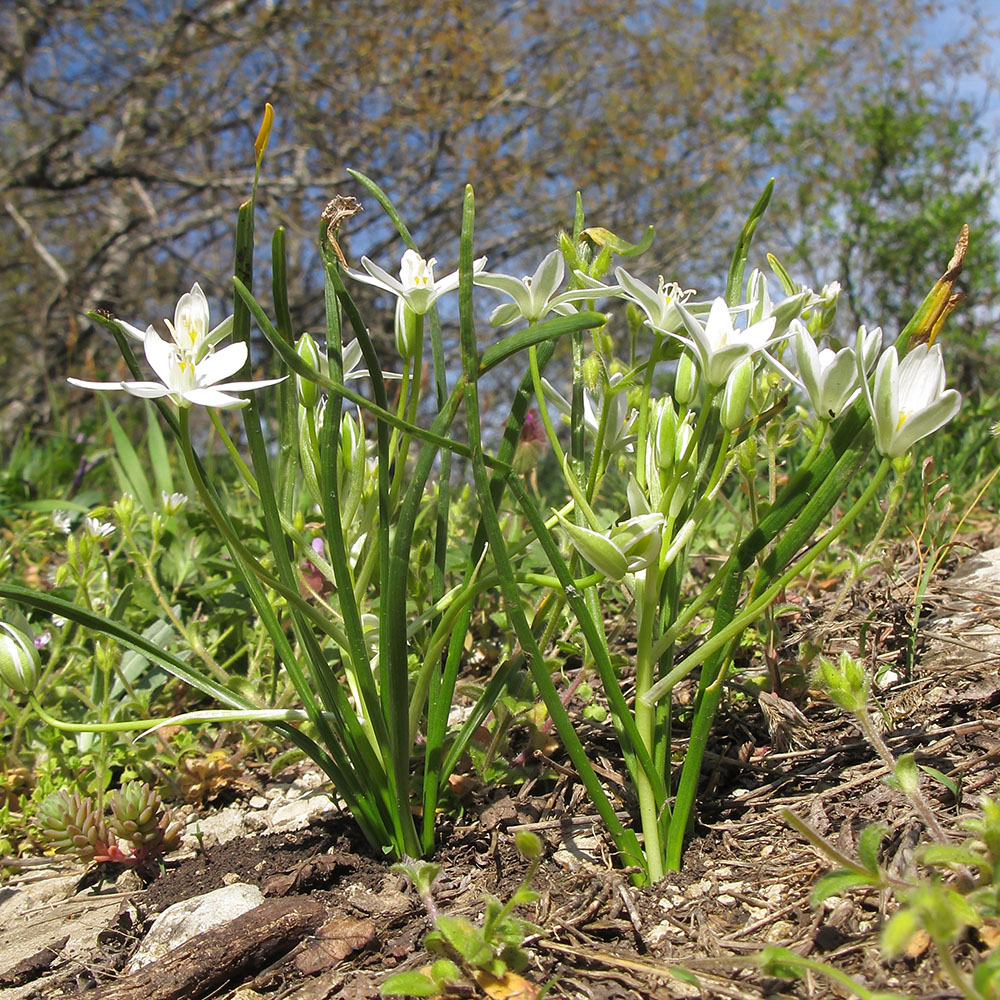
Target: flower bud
{"x":593,"y":368}
{"x":639,"y":539}
{"x":597,"y":549}
{"x":736,"y":395}
{"x":308,"y":351}
{"x":309,"y":450}
{"x":824,"y":309}
{"x":665,"y":434}
{"x":19,"y":659}
{"x":686,"y":380}
{"x":846,"y":682}
{"x":351,"y":454}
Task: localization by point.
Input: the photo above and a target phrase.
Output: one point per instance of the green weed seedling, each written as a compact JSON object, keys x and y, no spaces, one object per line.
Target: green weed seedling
{"x":954,"y":890}
{"x":467,"y":951}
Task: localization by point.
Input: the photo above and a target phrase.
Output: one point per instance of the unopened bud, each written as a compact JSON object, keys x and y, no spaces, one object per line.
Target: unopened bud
{"x":736,"y":395}
{"x":846,"y":682}
{"x":686,"y":380}
{"x":19,"y":659}
{"x":665,"y":435}
{"x":308,"y":351}
{"x":593,"y":368}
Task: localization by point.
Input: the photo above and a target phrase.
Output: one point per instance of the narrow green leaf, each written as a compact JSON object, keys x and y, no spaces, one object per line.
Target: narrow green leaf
{"x":734,"y":284}
{"x":387,"y":206}
{"x":135,"y":481}
{"x":685,"y":976}
{"x":837,"y":883}
{"x":158,"y":455}
{"x":549,"y":329}
{"x":937,"y":775}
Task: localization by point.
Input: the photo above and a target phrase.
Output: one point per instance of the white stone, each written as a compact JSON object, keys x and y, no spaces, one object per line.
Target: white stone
{"x":183,"y":920}
{"x":301,"y":812}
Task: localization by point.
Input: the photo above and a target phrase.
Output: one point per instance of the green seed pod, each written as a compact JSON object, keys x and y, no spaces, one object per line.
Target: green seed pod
{"x":19,"y":659}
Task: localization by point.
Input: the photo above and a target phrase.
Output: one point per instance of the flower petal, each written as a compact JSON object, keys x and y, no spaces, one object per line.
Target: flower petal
{"x":98,"y":386}
{"x":215,"y":397}
{"x":215,"y":367}
{"x":927,"y":421}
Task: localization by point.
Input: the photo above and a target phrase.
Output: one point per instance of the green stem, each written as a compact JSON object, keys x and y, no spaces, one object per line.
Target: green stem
{"x":754,"y":609}
{"x":647,"y":607}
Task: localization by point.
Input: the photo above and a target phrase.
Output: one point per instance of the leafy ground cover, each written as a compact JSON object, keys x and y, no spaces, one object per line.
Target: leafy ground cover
{"x":747,"y":877}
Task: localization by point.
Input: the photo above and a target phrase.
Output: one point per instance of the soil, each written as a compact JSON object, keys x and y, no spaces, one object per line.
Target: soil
{"x":747,"y":876}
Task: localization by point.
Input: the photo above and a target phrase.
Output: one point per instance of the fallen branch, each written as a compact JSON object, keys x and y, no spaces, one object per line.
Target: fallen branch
{"x":230,"y":951}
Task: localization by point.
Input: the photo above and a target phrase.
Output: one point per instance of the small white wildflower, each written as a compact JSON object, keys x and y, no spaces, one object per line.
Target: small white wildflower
{"x":173,"y":503}
{"x":62,"y":520}
{"x":97,"y":529}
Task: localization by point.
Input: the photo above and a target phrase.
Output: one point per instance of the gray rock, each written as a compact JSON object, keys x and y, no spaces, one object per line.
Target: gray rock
{"x":184,"y":920}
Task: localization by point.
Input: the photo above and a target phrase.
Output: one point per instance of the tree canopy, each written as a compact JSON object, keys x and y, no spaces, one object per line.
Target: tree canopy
{"x":128,"y":130}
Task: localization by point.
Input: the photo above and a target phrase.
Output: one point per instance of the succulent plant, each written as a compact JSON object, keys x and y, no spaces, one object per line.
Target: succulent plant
{"x":71,"y":824}
{"x":141,"y":820}
{"x":140,"y":829}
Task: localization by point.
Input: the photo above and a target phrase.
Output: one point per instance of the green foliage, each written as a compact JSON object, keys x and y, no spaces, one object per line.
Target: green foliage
{"x":494,"y":945}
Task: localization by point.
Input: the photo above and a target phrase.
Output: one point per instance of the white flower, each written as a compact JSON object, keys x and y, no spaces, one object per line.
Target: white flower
{"x":718,"y":346}
{"x":97,"y":529}
{"x":618,"y":430}
{"x":534,"y":295}
{"x":189,"y":330}
{"x":185,"y":381}
{"x":416,"y":285}
{"x":831,"y":378}
{"x":173,"y":503}
{"x":660,"y":306}
{"x":63,"y":520}
{"x":908,"y":399}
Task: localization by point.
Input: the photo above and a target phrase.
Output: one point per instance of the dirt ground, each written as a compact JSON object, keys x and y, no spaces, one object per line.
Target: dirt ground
{"x":747,"y":876}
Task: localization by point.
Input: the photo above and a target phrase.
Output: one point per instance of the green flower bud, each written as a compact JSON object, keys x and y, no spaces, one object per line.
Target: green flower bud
{"x":665,"y":434}
{"x":19,"y":659}
{"x":123,"y":509}
{"x":597,"y":549}
{"x":686,"y":380}
{"x":632,"y":545}
{"x":846,"y":682}
{"x":736,"y":395}
{"x":528,"y":844}
{"x":308,"y":351}
{"x":309,"y":422}
{"x":593,"y":368}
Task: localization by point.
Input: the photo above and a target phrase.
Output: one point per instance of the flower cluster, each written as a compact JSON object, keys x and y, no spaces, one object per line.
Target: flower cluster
{"x":189,"y":369}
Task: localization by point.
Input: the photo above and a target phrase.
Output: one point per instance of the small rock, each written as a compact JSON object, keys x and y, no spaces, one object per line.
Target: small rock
{"x":300,"y":812}
{"x":185,"y":919}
